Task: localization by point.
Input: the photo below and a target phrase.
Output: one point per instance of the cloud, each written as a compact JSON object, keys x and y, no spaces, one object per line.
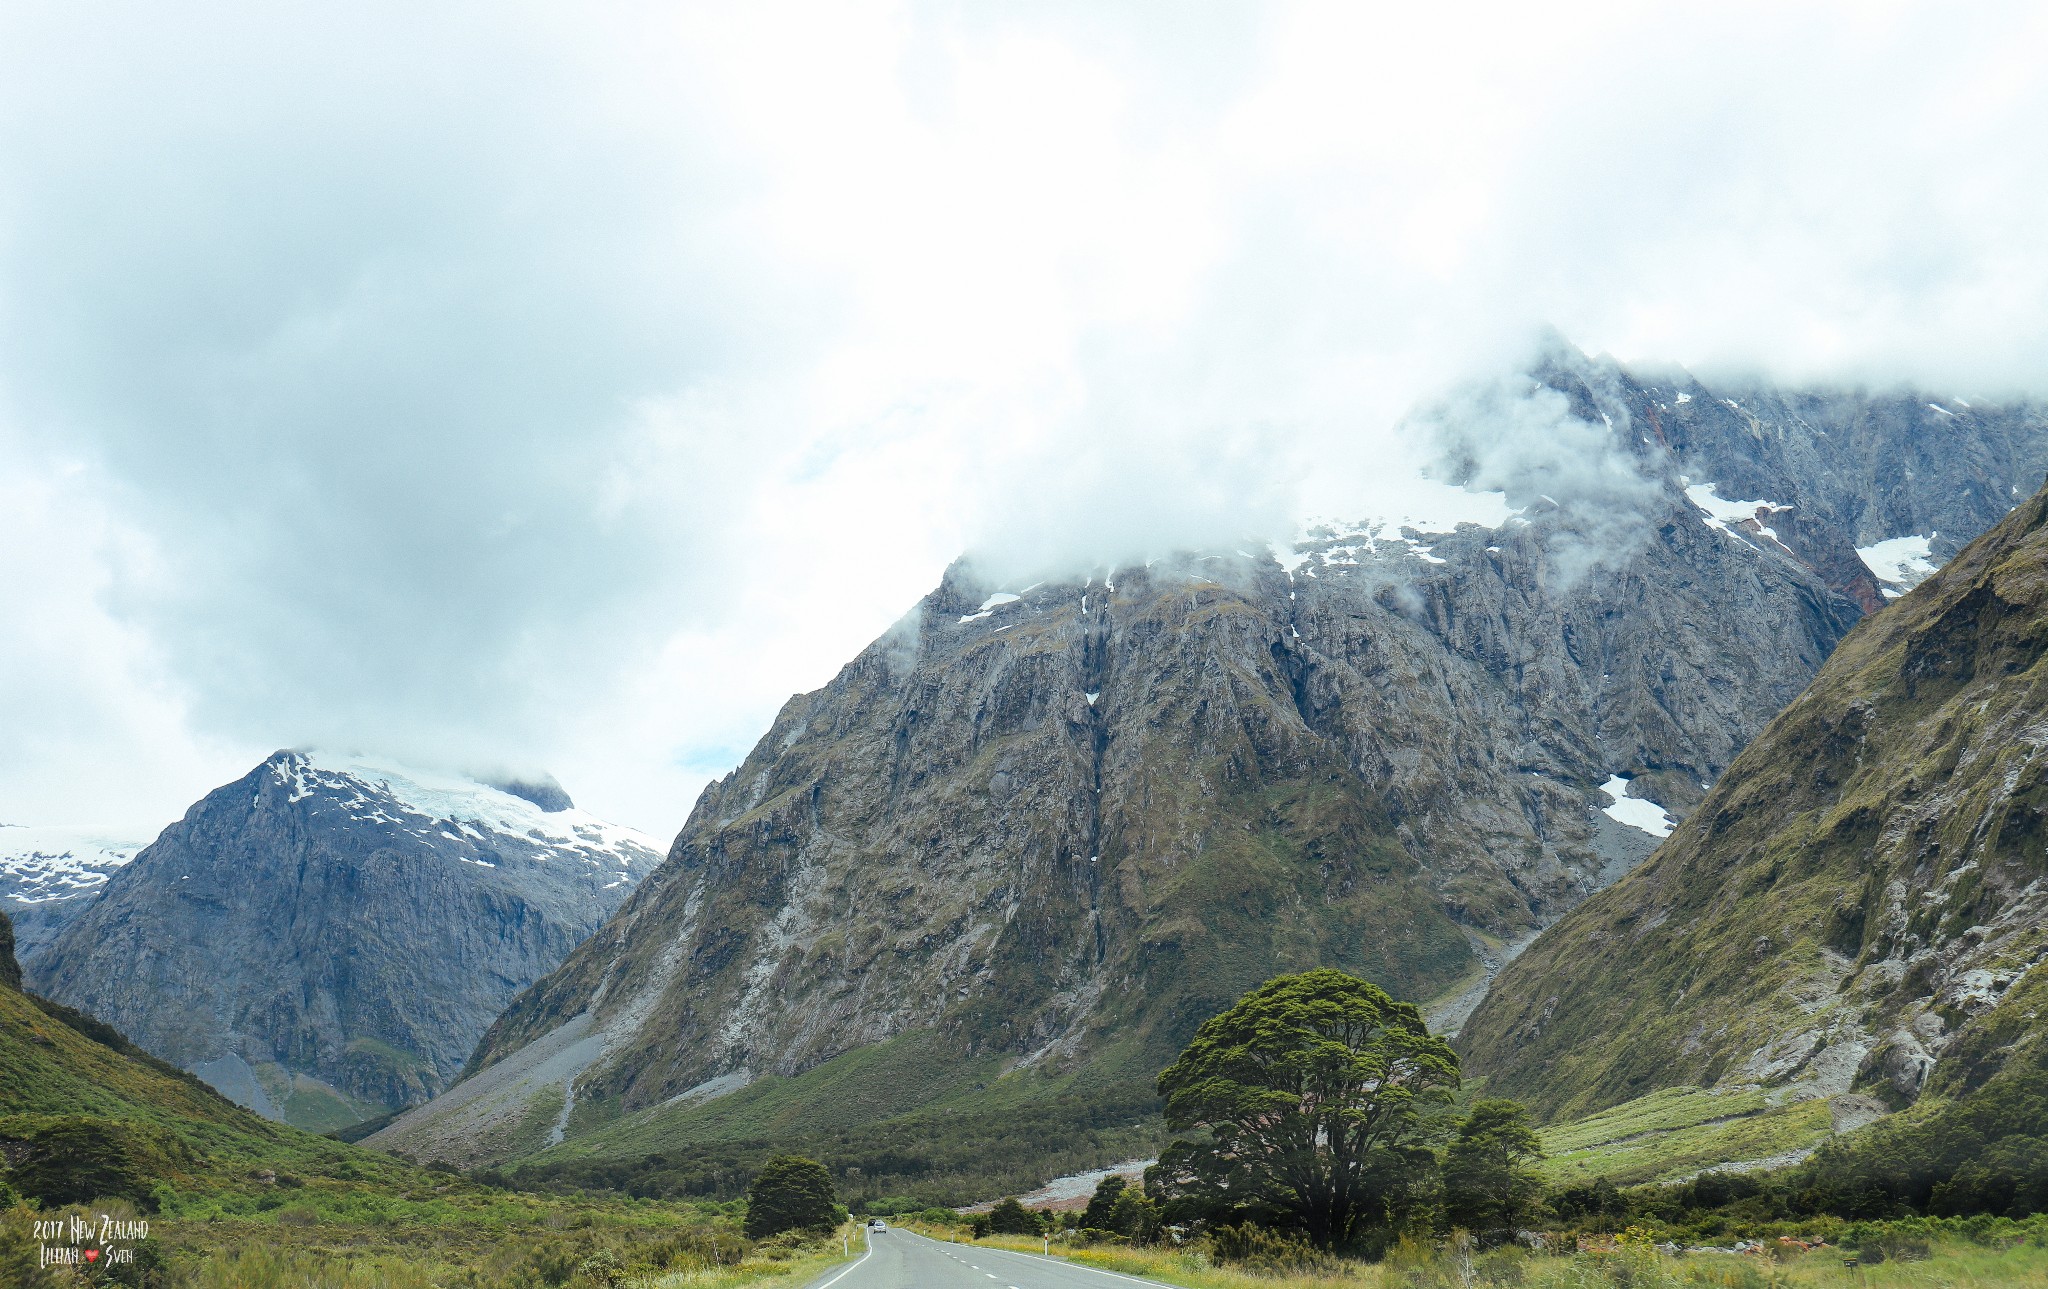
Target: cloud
{"x":96,"y":727}
{"x":528,"y":386}
{"x":1511,"y":435}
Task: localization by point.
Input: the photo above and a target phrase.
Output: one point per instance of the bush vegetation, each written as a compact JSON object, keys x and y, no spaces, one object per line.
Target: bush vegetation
{"x":790,"y":1193}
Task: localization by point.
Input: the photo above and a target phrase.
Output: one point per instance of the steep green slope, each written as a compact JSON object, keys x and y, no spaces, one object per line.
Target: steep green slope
{"x":61,"y":1069}
{"x":1860,"y":902}
{"x":86,"y":1117}
{"x":1675,"y":1133}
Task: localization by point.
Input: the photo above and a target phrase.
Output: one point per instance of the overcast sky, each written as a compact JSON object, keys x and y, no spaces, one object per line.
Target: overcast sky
{"x":568,"y":385}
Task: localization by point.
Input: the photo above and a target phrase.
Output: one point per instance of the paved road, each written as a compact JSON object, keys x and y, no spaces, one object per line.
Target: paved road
{"x":901,"y":1260}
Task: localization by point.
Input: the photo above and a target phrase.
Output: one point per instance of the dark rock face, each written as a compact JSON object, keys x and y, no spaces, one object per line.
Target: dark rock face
{"x":1064,"y":824}
{"x":1861,"y":902}
{"x":10,"y":970}
{"x":1839,"y":470}
{"x":327,"y":938}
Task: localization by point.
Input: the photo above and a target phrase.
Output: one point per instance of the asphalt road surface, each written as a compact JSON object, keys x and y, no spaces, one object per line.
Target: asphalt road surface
{"x":900,"y":1260}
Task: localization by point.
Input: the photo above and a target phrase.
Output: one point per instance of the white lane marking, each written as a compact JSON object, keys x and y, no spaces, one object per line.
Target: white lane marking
{"x":1115,"y":1275}
{"x":1077,"y":1266}
{"x":850,"y":1270}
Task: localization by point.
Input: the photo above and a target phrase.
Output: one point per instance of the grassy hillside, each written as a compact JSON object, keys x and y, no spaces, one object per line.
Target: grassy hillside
{"x":1676,"y":1132}
{"x":91,"y":1125}
{"x":1985,"y":1256}
{"x":58,"y":1062}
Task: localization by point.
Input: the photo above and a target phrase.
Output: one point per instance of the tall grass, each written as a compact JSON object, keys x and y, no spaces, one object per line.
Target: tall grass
{"x":1456,"y":1264}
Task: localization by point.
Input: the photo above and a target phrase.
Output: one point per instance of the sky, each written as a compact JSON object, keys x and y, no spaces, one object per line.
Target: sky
{"x":504,"y":386}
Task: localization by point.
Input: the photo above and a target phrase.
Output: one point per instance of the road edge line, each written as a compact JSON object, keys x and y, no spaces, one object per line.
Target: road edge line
{"x":850,"y":1268}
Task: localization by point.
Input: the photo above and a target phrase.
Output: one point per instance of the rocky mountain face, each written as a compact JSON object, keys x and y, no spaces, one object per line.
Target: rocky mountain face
{"x":1032,"y":836}
{"x":1861,"y":902}
{"x":325,"y":938}
{"x":47,"y":875}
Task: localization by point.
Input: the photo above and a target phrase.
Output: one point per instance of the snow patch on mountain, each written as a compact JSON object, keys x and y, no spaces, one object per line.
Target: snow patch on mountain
{"x":1900,"y":563}
{"x":1722,"y":512}
{"x":1636,"y":812}
{"x":1428,"y":507}
{"x":1432,"y":509}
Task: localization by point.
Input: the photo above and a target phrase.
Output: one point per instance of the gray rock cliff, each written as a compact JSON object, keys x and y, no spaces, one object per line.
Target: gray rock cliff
{"x":325,"y":938}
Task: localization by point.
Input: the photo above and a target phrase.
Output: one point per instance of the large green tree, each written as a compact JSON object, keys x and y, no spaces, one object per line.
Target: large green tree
{"x":790,"y":1193}
{"x":1308,"y":1098}
{"x":1490,"y":1179}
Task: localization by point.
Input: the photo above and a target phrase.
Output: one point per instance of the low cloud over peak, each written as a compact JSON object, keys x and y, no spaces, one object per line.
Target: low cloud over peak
{"x":522,"y":386}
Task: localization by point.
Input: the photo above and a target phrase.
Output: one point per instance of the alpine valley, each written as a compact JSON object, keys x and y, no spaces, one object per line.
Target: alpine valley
{"x":982,"y":886}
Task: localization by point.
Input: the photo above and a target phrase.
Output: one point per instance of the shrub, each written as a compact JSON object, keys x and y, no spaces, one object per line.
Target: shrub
{"x":1011,"y":1218}
{"x":1135,"y":1217}
{"x":602,"y":1268}
{"x":790,"y":1193}
{"x":1256,"y":1248}
{"x":70,"y":1159}
{"x":1892,"y":1245}
{"x":1103,"y":1203}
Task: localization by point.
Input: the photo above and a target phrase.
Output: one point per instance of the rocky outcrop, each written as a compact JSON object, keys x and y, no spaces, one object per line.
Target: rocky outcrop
{"x":1054,"y":827}
{"x":1861,"y":901}
{"x":325,"y":938}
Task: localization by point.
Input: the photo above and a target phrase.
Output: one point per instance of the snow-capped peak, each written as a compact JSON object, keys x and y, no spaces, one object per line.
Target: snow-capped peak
{"x":57,"y":862}
{"x":426,"y":802}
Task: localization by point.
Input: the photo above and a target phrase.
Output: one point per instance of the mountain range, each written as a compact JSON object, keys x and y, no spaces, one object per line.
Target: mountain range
{"x":1023,"y":844}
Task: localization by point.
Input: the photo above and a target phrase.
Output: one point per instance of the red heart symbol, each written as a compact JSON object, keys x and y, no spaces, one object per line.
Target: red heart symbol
{"x":92,"y":1255}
